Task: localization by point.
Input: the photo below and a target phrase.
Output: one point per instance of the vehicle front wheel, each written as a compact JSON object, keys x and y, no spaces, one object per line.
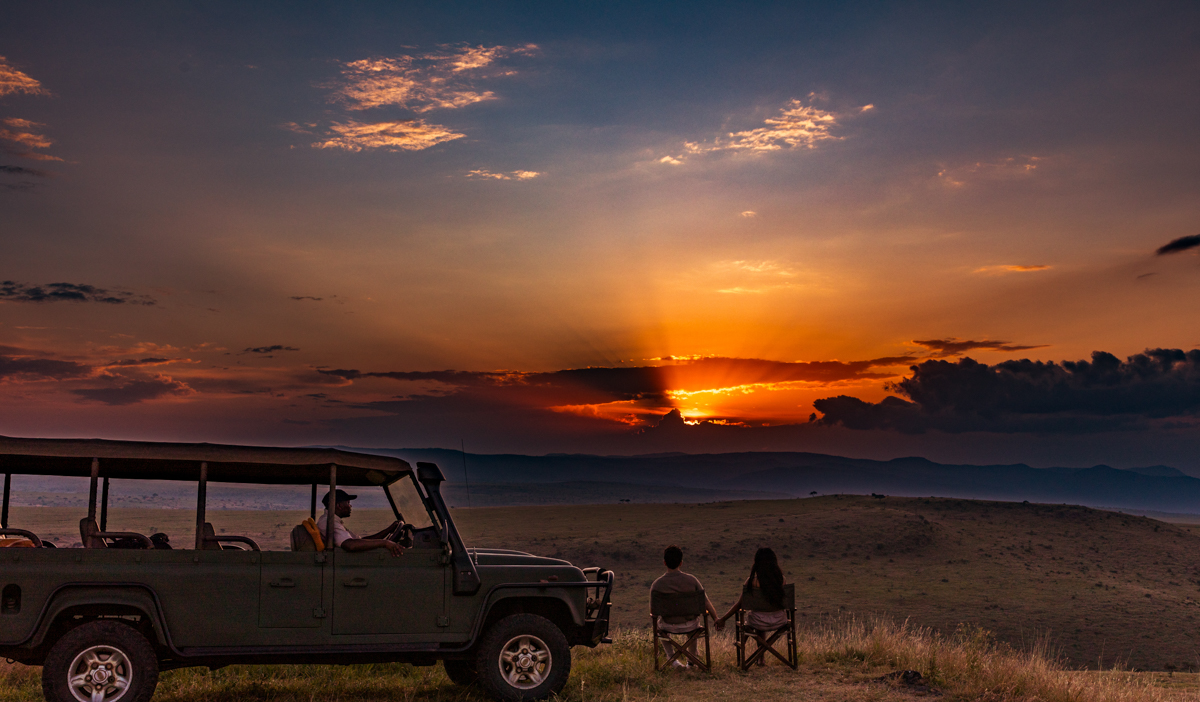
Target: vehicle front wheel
{"x":523,"y":657}
{"x":101,"y":661}
{"x":461,"y":672}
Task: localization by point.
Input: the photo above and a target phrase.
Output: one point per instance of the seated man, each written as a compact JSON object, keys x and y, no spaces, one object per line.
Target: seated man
{"x":345,"y":538}
{"x":672,"y":581}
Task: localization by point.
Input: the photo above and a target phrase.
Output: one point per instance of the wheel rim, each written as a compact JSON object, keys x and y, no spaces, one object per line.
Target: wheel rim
{"x":100,"y":674}
{"x":525,"y":662}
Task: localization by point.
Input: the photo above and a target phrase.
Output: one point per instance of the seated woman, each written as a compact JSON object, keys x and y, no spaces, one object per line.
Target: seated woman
{"x":767,"y":576}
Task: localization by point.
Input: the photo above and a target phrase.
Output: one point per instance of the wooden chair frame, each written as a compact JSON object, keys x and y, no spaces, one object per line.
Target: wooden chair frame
{"x":754,"y":599}
{"x":683,"y":604}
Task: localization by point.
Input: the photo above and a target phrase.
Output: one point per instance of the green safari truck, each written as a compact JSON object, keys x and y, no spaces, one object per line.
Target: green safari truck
{"x":103,"y":619}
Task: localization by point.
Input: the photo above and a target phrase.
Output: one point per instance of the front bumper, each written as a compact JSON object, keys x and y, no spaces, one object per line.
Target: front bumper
{"x":599,"y":607}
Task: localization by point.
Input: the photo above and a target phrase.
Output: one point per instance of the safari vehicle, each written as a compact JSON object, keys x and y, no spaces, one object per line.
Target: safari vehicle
{"x":104,"y":619}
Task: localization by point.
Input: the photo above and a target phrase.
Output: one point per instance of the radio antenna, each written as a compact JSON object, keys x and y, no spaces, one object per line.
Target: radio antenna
{"x":466,"y":478}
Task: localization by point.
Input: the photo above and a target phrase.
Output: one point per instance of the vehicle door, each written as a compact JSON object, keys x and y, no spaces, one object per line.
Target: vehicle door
{"x":402,"y":599}
{"x":375,"y":592}
{"x":291,"y":590}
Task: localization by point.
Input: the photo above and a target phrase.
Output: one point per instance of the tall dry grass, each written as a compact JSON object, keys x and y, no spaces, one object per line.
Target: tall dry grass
{"x":839,"y":659}
{"x":970,"y":664}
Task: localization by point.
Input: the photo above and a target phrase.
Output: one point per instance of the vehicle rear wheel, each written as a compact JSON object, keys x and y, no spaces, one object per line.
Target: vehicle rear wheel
{"x":523,"y":657}
{"x":101,"y":661}
{"x":461,"y":672}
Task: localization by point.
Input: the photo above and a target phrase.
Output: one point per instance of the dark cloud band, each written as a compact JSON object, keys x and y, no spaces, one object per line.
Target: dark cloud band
{"x":1183,"y":243}
{"x":135,"y":391}
{"x":1102,"y":394}
{"x":41,"y":369}
{"x":69,"y":292}
{"x":953,"y":347}
{"x":269,"y":349}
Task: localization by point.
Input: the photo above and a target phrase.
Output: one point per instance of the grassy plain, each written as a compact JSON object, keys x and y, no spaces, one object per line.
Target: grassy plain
{"x":1078,"y":587}
{"x":843,"y":660}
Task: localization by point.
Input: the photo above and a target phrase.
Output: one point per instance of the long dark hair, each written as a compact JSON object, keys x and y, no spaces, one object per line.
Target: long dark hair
{"x":770,"y":576}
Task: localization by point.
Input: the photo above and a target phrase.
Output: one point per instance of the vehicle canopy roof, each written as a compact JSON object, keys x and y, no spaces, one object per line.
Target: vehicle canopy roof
{"x":153,"y":460}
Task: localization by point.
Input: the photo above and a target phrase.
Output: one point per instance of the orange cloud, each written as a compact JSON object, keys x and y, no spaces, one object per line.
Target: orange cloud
{"x":993,"y":270}
{"x":23,"y":139}
{"x":797,"y":125}
{"x":404,"y":135}
{"x":1005,"y":168}
{"x":485,"y":174}
{"x":15,"y":81}
{"x":750,"y":277}
{"x":421,"y":83}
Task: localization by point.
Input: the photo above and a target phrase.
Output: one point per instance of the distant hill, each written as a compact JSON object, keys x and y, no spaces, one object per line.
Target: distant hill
{"x":571,"y":479}
{"x":1157,"y":488}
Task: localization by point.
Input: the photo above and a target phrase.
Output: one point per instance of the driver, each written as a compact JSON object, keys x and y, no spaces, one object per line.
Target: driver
{"x":347,"y":539}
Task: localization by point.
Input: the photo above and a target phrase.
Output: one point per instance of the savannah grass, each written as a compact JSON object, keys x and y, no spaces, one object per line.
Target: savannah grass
{"x":839,"y":659}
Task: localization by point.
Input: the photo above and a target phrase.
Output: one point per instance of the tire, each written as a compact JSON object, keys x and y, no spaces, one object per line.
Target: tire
{"x":523,"y":657}
{"x":117,"y":652}
{"x":461,"y":672}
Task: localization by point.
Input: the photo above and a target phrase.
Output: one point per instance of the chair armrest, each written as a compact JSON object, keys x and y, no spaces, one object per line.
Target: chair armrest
{"x":146,"y":543}
{"x":236,"y":539}
{"x":23,"y":532}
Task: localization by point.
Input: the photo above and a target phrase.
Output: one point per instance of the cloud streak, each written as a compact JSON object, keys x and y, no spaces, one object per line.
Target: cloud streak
{"x":1012,"y":269}
{"x":403,"y":135}
{"x":13,"y":291}
{"x":1183,"y":243}
{"x":23,"y":171}
{"x":136,"y":391}
{"x":14,"y":367}
{"x":798,"y":125}
{"x":269,"y":349}
{"x":953,"y":347}
{"x":440,"y":80}
{"x":484,"y":174}
{"x":23,"y":137}
{"x":14,"y":81}
{"x":1005,"y":168}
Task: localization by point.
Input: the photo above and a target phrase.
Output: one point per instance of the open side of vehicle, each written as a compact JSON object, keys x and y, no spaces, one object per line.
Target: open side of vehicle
{"x":104,"y":619}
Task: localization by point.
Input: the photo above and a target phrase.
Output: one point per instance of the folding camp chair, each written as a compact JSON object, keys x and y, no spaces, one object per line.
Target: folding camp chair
{"x":681,"y":604}
{"x":754,"y":599}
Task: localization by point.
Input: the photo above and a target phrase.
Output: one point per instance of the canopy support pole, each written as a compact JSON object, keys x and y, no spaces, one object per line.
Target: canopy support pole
{"x":7,"y":492}
{"x":201,"y":498}
{"x":92,"y":489}
{"x":104,"y":505}
{"x":331,"y":507}
{"x":312,"y":505}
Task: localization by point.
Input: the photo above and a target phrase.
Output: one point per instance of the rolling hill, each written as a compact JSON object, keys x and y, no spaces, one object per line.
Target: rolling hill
{"x":1158,"y":488}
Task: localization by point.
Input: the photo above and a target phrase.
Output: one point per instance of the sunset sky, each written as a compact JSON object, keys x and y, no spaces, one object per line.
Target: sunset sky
{"x":539,"y":227}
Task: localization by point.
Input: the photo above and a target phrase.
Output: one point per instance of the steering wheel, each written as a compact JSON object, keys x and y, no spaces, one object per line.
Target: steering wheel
{"x":403,"y":535}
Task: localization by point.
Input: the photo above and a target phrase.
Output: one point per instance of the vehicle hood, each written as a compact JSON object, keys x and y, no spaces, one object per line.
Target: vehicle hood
{"x":502,"y":557}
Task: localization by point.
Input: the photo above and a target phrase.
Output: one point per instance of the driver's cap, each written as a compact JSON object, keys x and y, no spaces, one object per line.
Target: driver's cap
{"x":341,"y":496}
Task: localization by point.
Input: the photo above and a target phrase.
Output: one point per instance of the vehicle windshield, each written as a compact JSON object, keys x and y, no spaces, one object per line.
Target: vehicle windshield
{"x":409,"y":502}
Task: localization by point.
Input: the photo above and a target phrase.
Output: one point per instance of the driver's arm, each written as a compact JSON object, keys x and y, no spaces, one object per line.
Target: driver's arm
{"x":358,"y":545}
{"x":385,"y":532}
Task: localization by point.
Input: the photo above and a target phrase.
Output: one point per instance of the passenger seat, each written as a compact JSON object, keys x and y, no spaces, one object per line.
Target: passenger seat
{"x":306,"y":536}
